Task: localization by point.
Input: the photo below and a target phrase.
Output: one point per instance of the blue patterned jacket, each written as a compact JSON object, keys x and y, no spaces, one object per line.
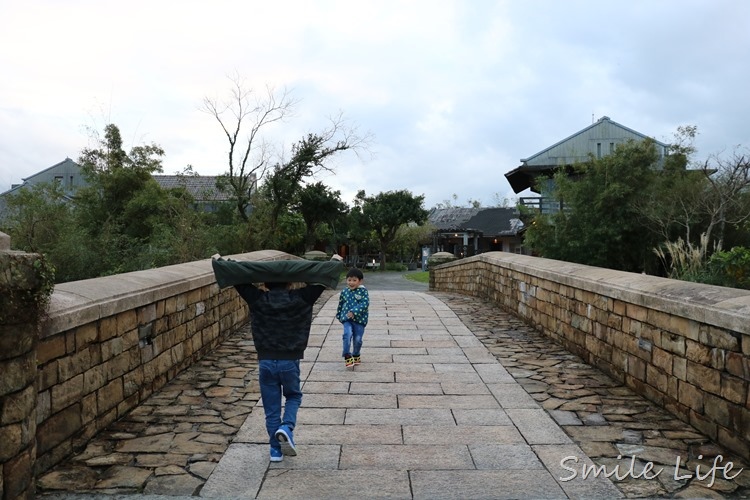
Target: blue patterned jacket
{"x":356,"y":301}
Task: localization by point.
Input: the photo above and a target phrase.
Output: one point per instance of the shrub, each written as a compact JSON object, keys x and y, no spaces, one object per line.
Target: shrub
{"x":395,"y":266}
{"x":730,"y":268}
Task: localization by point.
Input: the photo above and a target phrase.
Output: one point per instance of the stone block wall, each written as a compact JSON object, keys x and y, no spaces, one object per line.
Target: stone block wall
{"x":685,"y":346}
{"x":105,"y":346}
{"x":19,"y":333}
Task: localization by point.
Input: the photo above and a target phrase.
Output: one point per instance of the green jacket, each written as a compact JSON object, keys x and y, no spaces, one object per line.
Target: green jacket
{"x":231,"y":272}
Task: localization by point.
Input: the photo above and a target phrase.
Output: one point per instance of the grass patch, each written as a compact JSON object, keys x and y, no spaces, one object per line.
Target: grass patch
{"x":420,"y":276}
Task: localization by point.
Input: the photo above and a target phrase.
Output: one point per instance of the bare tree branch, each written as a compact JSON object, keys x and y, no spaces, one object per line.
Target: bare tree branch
{"x":248,"y":156}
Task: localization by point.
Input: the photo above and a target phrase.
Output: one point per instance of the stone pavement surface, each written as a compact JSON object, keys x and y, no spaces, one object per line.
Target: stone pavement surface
{"x":454,"y":399}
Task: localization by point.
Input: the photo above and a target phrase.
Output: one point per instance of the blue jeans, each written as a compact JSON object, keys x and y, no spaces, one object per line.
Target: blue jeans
{"x":353,"y":333}
{"x":279,"y":377}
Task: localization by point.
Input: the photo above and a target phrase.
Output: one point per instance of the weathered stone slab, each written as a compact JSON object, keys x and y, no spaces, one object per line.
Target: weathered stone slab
{"x":430,"y":358}
{"x":123,"y":477}
{"x":461,"y":434}
{"x":448,"y":401}
{"x":467,"y":389}
{"x":349,"y":434}
{"x":311,"y":456}
{"x":495,"y":484}
{"x":537,"y":427}
{"x":326,"y":416}
{"x":406,"y":366}
{"x":494,"y":373}
{"x":332,"y":387}
{"x":349,"y":401}
{"x":328,"y":484}
{"x":173,"y":485}
{"x":446,"y":351}
{"x":399,"y":416}
{"x":481,"y":416}
{"x":394,"y":388}
{"x":380,"y":354}
{"x":405,"y":457}
{"x":467,"y":341}
{"x":451,"y":377}
{"x":332,"y":373}
{"x":565,"y":417}
{"x":446,"y":342}
{"x":239,"y":473}
{"x":502,"y":456}
{"x":454,"y":367}
{"x":512,"y":396}
{"x":253,"y":430}
{"x":574,"y":486}
{"x":478,"y":354}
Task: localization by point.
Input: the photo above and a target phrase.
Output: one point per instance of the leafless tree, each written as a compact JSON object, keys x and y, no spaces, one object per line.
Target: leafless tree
{"x":242,"y":116}
{"x":725,"y":200}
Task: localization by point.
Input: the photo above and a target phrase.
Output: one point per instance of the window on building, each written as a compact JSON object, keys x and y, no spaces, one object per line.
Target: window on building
{"x":611,"y":147}
{"x":59,"y":179}
{"x":598,"y":149}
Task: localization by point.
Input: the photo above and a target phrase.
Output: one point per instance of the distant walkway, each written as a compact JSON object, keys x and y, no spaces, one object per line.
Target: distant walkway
{"x":451,"y":389}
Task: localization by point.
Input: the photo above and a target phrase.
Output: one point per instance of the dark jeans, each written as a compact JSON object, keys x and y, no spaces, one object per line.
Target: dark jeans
{"x":279,"y":377}
{"x":353,"y":333}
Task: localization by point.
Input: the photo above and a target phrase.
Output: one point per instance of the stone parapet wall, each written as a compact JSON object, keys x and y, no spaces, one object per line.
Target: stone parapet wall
{"x":110,"y":342}
{"x":685,"y":346}
{"x":19,"y":334}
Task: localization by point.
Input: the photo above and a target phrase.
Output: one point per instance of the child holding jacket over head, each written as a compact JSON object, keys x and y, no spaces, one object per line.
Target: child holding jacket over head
{"x":281,"y":318}
{"x":352,"y":312}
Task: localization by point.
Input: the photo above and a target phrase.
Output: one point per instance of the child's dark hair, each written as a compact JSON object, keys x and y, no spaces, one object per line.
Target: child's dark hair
{"x":355,"y":273}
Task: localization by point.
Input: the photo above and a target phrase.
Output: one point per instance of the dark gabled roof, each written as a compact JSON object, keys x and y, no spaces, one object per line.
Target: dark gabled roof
{"x":488,"y":221}
{"x":597,"y":123}
{"x":496,"y":222}
{"x":202,"y":188}
{"x":546,"y":161}
{"x":66,"y":160}
{"x":451,"y":218}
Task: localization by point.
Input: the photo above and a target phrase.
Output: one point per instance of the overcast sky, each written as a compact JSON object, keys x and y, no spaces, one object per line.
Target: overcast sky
{"x":454,"y":93}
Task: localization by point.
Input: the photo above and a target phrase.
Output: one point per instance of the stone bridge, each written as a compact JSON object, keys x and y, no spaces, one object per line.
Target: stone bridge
{"x":618,"y":364}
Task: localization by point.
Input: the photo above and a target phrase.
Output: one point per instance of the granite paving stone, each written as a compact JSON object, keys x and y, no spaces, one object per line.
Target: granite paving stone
{"x":351,"y":434}
{"x":461,"y":434}
{"x":512,"y":396}
{"x":334,"y":484}
{"x":484,"y":484}
{"x":405,"y":457}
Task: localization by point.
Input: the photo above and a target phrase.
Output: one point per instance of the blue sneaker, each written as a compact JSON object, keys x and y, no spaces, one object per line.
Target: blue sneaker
{"x":276,"y":455}
{"x":286,"y":440}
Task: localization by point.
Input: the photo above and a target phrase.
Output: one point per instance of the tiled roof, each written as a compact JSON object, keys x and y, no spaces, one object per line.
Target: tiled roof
{"x":451,"y":218}
{"x":496,"y":222}
{"x":488,"y":221}
{"x":202,"y":188}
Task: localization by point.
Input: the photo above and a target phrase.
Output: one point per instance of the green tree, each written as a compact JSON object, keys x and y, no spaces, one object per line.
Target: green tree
{"x":600,"y":224}
{"x":119,"y":206}
{"x":409,"y":238}
{"x":36,"y":217}
{"x":386,"y":212}
{"x":671,"y":207}
{"x":319,"y":206}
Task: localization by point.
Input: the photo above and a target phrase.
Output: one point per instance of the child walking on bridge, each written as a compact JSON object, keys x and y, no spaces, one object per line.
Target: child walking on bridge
{"x":353,"y":312}
{"x":281,"y":317}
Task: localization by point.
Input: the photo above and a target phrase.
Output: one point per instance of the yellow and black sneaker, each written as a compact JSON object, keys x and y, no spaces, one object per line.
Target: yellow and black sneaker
{"x":349,"y":361}
{"x":355,"y":360}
